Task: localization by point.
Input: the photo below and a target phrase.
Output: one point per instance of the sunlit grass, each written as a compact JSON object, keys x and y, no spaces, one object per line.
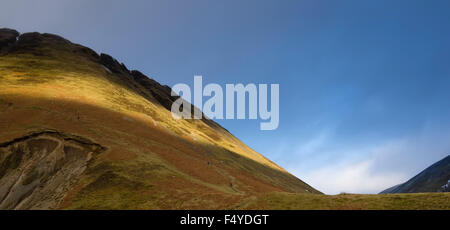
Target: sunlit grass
{"x":153,"y":161}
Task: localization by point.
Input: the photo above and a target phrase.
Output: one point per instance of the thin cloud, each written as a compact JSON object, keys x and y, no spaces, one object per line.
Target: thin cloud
{"x":358,"y":177}
{"x":371,"y":169}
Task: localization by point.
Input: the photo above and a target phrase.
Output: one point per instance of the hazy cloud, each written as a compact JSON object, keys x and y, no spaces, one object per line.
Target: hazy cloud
{"x":374,"y":168}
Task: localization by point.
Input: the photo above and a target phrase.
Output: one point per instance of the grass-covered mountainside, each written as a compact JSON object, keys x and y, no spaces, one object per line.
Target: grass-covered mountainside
{"x":432,"y":179}
{"x":79,"y":130}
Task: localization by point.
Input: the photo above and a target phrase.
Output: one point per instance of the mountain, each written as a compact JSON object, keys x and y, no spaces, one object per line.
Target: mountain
{"x":432,"y":179}
{"x":389,"y":190}
{"x":78,"y":130}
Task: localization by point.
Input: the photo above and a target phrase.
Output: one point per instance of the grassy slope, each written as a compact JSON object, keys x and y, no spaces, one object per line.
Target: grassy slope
{"x":415,"y":201}
{"x":152,"y":161}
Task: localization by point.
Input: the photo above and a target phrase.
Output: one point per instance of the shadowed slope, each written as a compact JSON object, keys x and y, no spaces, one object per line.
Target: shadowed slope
{"x":429,"y":180}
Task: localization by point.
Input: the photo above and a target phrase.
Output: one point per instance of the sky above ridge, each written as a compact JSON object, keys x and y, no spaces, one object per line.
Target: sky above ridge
{"x":364,"y":85}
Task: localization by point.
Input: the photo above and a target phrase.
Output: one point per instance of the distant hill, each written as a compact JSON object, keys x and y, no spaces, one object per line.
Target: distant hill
{"x":78,"y":130}
{"x":432,"y":179}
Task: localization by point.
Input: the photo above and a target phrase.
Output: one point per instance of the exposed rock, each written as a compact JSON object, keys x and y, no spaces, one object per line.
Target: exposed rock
{"x":40,"y":44}
{"x":161,"y":93}
{"x":34,"y":39}
{"x":37,"y":170}
{"x":7,"y":38}
{"x":112,"y":64}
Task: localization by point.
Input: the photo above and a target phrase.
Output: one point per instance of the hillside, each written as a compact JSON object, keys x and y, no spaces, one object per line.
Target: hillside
{"x":81,"y":131}
{"x":429,"y":180}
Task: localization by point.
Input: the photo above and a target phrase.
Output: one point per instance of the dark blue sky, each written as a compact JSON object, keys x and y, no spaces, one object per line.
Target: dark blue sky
{"x":364,"y":85}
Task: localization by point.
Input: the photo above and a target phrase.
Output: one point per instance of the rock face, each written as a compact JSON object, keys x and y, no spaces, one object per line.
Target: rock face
{"x":37,"y":170}
{"x":113,"y":64}
{"x":7,"y":37}
{"x":159,"y":92}
{"x":431,"y":179}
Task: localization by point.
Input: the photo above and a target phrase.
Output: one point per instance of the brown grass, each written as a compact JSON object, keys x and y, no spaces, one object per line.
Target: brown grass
{"x":411,"y":201}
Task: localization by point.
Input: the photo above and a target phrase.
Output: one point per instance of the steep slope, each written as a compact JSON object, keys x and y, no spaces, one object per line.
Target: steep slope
{"x":143,"y":158}
{"x":429,"y":180}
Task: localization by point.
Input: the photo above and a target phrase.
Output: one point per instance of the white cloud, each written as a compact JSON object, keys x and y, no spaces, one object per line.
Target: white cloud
{"x":357,"y":177}
{"x":367,"y":168}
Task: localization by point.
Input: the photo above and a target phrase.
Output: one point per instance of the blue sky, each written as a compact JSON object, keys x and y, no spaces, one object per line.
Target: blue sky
{"x":363,"y":84}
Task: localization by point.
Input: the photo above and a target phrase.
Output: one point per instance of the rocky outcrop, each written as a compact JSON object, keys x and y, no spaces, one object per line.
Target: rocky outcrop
{"x":7,"y":38}
{"x":12,"y":41}
{"x":37,"y":170}
{"x":39,"y":45}
{"x":112,"y":64}
{"x":161,"y":93}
